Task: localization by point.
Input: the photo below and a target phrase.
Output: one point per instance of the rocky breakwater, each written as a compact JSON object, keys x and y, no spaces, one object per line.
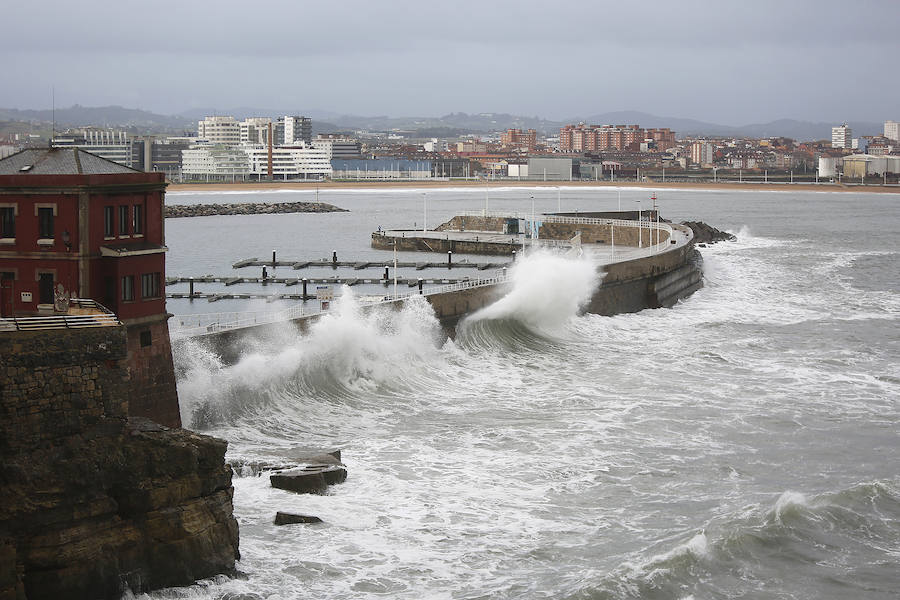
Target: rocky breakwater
{"x":707,"y":234}
{"x":249,"y":208}
{"x":93,"y":503}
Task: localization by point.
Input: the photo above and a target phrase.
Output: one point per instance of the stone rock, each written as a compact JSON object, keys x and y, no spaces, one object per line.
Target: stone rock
{"x":283,"y":518}
{"x":705,"y":234}
{"x":249,"y":208}
{"x":308,"y":479}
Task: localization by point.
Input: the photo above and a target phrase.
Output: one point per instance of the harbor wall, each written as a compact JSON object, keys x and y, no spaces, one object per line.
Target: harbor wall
{"x":653,"y":281}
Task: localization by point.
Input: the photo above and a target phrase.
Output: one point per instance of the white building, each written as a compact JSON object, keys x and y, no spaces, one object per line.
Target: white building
{"x":436,"y":145}
{"x":892,"y":130}
{"x":255,"y":130}
{"x":297,"y":130}
{"x":109,"y":144}
{"x":841,"y":137}
{"x":219,"y":130}
{"x":338,"y":148}
{"x":288,"y":162}
{"x":214,"y":163}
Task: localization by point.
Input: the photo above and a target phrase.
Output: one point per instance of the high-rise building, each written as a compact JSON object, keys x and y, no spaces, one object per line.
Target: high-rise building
{"x":296,"y":130}
{"x":702,"y":153}
{"x":255,"y":130}
{"x":219,"y":130}
{"x":892,"y":130}
{"x":841,"y":137}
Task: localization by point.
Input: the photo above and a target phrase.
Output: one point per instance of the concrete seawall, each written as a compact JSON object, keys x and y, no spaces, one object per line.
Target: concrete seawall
{"x":654,"y":281}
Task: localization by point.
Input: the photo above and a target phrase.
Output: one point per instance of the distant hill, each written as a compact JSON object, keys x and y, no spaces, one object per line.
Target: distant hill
{"x":449,"y":125}
{"x":98,"y":116}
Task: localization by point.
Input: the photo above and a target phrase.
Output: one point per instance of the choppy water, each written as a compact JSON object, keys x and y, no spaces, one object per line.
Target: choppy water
{"x":744,"y":444}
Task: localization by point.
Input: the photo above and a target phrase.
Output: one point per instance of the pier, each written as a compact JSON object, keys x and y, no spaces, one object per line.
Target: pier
{"x":640,"y":264}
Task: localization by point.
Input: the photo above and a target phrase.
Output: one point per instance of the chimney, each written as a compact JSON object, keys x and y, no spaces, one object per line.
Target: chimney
{"x":270,"y":151}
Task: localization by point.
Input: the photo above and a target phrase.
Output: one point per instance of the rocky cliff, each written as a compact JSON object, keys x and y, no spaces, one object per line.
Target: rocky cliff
{"x":91,"y":502}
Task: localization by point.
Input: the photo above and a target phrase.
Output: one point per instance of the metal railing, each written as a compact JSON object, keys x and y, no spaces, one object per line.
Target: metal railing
{"x":543,"y":218}
{"x":102,"y":318}
{"x":185,"y":326}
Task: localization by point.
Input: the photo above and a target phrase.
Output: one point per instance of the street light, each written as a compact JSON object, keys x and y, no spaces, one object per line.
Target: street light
{"x":640,"y":237}
{"x":425,"y":211}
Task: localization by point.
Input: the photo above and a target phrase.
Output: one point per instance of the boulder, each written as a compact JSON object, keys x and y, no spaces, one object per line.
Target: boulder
{"x":308,"y":479}
{"x":705,"y":234}
{"x":283,"y":518}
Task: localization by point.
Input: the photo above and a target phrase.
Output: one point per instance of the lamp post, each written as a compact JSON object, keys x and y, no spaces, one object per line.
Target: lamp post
{"x":425,"y":212}
{"x":640,"y":237}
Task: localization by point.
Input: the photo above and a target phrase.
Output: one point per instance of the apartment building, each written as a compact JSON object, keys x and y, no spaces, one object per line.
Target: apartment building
{"x":106,"y":143}
{"x":594,"y":138}
{"x":842,"y":136}
{"x":224,"y":130}
{"x":519,"y":140}
{"x":892,"y":130}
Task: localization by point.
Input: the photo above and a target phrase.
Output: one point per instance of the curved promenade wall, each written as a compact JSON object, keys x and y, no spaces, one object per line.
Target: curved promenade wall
{"x":627,"y":286}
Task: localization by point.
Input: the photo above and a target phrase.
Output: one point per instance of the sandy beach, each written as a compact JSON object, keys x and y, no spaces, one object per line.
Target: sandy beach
{"x":254,"y":186}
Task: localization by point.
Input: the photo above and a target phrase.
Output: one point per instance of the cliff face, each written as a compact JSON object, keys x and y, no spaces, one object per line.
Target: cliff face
{"x":92,"y":502}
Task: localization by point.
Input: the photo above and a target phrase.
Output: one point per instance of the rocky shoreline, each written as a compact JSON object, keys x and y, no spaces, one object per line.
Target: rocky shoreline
{"x":249,"y":208}
{"x":707,"y":234}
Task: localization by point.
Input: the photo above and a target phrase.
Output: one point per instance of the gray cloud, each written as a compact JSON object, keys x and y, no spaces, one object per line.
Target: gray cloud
{"x":723,"y":61}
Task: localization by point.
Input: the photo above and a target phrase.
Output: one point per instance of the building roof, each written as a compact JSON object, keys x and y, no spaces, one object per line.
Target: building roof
{"x":59,"y":161}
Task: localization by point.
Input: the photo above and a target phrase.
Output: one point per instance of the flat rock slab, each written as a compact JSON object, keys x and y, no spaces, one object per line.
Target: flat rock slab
{"x":308,"y":479}
{"x":283,"y":518}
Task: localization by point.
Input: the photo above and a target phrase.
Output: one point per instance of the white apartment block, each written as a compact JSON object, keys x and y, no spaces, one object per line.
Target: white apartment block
{"x":255,"y":130}
{"x":288,"y":162}
{"x":111,"y":145}
{"x":841,"y":137}
{"x":214,"y":163}
{"x":892,"y":130}
{"x":219,"y":130}
{"x":297,"y":130}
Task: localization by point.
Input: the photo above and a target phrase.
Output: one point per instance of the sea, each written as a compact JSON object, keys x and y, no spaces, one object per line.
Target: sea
{"x":742,"y":444}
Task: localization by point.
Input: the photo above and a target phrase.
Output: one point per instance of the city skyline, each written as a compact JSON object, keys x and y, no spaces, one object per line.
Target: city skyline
{"x":751,"y":63}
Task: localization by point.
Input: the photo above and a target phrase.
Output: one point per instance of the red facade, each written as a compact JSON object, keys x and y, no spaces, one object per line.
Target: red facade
{"x":100,"y":236}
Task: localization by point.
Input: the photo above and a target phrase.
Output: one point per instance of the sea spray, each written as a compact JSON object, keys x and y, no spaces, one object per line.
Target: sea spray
{"x":350,"y":350}
{"x":547,"y":290}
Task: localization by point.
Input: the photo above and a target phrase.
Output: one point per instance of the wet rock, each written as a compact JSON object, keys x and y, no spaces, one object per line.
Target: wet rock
{"x":308,"y":479}
{"x":705,"y":234}
{"x":291,"y":460}
{"x":283,"y":518}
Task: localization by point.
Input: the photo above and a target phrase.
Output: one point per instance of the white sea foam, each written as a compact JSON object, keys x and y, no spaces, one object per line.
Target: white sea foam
{"x":547,"y":290}
{"x":786,"y":502}
{"x":352,"y":346}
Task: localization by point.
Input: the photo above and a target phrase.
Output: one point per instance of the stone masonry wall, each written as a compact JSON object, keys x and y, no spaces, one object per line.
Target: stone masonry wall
{"x":153,"y":393}
{"x":92,"y":502}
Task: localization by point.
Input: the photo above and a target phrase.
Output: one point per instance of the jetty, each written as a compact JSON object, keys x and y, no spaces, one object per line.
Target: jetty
{"x":642,"y":262}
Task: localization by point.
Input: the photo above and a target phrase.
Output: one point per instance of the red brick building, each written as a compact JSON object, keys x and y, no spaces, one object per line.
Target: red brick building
{"x":518,"y":139}
{"x":597,"y":138}
{"x":73,"y":219}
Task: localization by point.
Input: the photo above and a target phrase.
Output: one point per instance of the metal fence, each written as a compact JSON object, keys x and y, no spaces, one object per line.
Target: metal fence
{"x":185,"y":326}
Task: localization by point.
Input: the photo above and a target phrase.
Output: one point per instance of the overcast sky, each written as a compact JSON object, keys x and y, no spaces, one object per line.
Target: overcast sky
{"x":727,"y":62}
